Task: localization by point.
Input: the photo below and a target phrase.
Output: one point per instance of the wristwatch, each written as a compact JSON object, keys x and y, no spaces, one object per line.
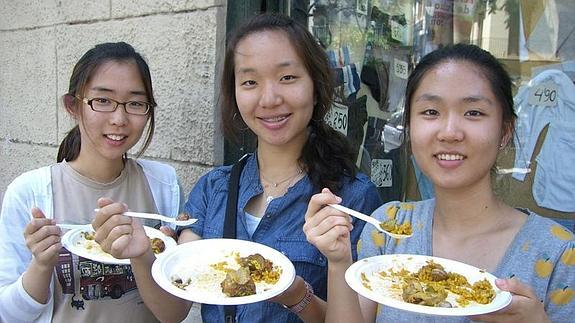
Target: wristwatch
{"x":304,"y":302}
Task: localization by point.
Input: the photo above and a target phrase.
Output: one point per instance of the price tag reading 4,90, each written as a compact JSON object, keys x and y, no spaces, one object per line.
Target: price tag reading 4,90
{"x":544,"y":94}
{"x":337,"y":118}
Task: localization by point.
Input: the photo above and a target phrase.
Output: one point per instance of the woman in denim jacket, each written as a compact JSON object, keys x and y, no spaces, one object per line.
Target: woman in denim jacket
{"x":276,"y":84}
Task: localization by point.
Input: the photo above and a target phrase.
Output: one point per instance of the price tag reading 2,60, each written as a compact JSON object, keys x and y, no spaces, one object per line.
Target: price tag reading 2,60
{"x":544,"y":94}
{"x":337,"y":118}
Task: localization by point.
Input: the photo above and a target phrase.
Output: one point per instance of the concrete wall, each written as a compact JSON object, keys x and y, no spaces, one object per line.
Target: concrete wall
{"x":41,"y":40}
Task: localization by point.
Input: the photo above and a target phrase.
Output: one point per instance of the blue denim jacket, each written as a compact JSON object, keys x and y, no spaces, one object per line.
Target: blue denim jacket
{"x":280,"y":228}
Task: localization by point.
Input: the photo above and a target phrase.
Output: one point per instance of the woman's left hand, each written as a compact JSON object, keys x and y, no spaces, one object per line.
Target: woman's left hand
{"x":293,"y":294}
{"x":169,"y":232}
{"x":524,"y":306}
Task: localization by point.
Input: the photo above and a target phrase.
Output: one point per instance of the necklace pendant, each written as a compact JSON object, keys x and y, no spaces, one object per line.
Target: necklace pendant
{"x":275,"y":184}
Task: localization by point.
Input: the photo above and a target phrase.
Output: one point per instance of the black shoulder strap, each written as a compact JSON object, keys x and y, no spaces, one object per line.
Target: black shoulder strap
{"x":232,"y":204}
{"x":230,"y":221}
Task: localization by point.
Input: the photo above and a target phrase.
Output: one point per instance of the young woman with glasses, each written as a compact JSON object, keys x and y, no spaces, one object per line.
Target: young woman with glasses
{"x":276,"y":84}
{"x":111,"y":99}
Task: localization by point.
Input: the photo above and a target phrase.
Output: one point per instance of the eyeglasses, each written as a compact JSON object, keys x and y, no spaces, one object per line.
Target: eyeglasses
{"x":109,"y":105}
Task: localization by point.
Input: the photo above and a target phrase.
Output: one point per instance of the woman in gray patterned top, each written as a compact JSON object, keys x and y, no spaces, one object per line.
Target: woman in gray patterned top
{"x":459,"y":109}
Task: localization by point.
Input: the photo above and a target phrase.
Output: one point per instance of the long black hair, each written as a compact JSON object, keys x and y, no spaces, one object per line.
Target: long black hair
{"x":327,"y":155}
{"x":83,"y":70}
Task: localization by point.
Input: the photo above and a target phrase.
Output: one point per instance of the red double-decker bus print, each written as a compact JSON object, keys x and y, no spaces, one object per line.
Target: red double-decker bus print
{"x":96,"y":280}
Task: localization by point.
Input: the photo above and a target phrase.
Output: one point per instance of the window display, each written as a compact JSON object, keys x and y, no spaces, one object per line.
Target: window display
{"x":372,"y":46}
{"x":548,"y":100}
{"x":369,"y":50}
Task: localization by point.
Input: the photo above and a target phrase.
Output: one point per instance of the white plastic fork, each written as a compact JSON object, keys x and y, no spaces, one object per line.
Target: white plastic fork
{"x":67,"y":226}
{"x":158,"y":217}
{"x":371,"y":220}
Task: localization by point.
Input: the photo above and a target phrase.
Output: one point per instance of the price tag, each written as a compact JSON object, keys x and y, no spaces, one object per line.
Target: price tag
{"x":337,"y":118}
{"x":381,"y":172}
{"x":397,"y":31}
{"x":400,"y":68}
{"x":544,"y":94}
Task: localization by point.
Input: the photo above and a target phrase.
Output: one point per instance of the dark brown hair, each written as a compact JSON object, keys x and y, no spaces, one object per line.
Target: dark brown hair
{"x":327,"y":155}
{"x":497,"y":76}
{"x":83,"y":71}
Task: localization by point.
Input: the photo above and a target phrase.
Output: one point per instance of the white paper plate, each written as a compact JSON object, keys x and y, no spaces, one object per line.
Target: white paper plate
{"x":74,"y":241}
{"x":193,"y":259}
{"x":382,"y":291}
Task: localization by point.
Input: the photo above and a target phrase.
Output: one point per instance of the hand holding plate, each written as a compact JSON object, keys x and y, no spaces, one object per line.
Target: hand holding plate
{"x":524,"y":307}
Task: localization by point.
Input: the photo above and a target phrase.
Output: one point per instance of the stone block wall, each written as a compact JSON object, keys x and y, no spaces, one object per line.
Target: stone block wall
{"x":41,"y":40}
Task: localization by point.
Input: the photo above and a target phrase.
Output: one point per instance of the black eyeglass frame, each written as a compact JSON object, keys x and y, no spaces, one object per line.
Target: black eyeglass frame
{"x":117,"y":103}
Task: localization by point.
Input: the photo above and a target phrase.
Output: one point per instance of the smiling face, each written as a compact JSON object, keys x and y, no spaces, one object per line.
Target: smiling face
{"x":274,"y":91}
{"x":107,"y":136}
{"x":455,"y":125}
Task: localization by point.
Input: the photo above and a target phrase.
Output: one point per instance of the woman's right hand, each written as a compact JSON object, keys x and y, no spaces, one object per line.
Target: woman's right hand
{"x":327,"y":228}
{"x":119,"y":235}
{"x":42,"y":237}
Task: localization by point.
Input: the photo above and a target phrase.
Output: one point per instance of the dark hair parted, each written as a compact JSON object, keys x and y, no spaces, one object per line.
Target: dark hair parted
{"x":492,"y":69}
{"x":83,"y":71}
{"x":327,"y":155}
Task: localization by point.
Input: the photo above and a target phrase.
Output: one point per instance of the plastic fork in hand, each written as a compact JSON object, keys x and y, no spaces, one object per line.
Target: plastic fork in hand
{"x":67,"y":226}
{"x":368,"y":219}
{"x":158,"y":217}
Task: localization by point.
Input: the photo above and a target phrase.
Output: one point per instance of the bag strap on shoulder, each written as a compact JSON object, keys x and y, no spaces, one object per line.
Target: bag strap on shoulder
{"x":230,"y":221}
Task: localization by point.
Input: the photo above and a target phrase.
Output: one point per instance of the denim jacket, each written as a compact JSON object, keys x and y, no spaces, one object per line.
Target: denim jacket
{"x":280,"y":228}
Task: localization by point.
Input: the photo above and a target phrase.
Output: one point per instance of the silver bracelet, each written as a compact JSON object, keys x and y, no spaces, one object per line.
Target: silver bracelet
{"x":304,"y":302}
